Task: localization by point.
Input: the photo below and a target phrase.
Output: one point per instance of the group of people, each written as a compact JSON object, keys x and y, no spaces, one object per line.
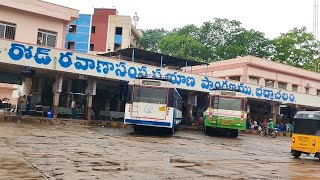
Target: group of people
{"x":285,"y":127}
{"x":26,"y":102}
{"x":258,"y":125}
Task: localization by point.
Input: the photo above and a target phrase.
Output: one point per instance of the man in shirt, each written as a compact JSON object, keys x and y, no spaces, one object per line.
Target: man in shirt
{"x":271,"y":125}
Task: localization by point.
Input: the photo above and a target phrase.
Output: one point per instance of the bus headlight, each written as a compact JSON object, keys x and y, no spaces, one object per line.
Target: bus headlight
{"x":293,"y":140}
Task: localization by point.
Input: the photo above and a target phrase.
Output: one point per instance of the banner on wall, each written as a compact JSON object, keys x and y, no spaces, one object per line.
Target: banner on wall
{"x":89,"y":65}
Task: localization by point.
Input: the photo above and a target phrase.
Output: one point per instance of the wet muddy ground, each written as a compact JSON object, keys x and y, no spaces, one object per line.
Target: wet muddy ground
{"x":77,"y":152}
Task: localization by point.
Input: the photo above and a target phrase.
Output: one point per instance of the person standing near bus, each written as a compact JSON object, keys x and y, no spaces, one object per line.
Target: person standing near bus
{"x":73,"y":109}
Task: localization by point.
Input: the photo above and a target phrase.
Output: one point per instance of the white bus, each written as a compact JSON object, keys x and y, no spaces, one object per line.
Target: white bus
{"x":153,"y":102}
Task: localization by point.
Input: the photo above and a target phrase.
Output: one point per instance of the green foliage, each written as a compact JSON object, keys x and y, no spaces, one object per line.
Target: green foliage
{"x":184,"y":46}
{"x":228,"y":39}
{"x":222,"y":39}
{"x":151,"y":38}
{"x":297,"y":48}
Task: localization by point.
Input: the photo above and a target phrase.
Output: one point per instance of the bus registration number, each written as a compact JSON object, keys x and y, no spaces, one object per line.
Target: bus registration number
{"x":162,"y":108}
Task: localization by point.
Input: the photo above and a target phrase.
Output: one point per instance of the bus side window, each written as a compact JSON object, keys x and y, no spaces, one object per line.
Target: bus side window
{"x":129,"y":94}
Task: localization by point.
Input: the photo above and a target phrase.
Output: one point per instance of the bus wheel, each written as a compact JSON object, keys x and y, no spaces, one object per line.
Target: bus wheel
{"x":235,"y":133}
{"x":171,"y":131}
{"x":205,"y":130}
{"x":296,"y":154}
{"x":137,"y":129}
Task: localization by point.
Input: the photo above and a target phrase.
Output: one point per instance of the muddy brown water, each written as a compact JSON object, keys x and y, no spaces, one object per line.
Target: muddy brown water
{"x":30,"y":151}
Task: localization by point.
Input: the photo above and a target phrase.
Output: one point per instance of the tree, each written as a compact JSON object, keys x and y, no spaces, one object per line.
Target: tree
{"x":184,"y":46}
{"x":297,"y":48}
{"x":151,"y":38}
{"x":227,"y":39}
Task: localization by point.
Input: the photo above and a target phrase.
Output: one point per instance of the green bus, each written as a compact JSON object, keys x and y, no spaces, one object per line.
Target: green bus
{"x":227,"y":112}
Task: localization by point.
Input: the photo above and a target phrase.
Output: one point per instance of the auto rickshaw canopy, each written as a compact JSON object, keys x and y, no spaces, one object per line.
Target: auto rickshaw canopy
{"x":307,"y":122}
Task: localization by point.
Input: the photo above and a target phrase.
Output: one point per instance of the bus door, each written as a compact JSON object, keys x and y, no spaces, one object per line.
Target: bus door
{"x":149,"y":103}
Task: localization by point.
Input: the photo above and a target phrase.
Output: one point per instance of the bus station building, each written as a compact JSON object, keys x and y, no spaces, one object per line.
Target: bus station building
{"x":33,"y":54}
{"x":266,"y":74}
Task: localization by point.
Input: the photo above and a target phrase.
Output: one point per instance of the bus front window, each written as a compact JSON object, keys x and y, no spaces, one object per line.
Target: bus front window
{"x":227,"y":103}
{"x":150,"y":95}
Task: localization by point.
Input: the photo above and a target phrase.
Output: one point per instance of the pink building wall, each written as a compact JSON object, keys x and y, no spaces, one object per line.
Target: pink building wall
{"x":6,"y":90}
{"x":250,"y":66}
{"x":31,"y":15}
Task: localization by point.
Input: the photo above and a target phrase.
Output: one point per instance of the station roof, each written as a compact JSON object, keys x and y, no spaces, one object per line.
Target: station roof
{"x":153,"y":57}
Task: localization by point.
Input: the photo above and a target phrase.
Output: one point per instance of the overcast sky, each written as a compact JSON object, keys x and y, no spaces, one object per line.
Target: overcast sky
{"x":269,"y":16}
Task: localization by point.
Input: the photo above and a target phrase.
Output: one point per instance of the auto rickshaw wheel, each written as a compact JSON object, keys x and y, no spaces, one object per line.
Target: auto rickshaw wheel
{"x":296,"y":154}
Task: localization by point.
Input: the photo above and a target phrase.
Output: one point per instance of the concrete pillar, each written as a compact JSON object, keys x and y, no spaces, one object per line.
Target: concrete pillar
{"x":262,"y":82}
{"x":289,"y":87}
{"x":88,"y":107}
{"x":90,"y":91}
{"x":39,"y":90}
{"x":245,"y":77}
{"x":57,"y":88}
{"x":69,"y":86}
{"x":189,"y":107}
{"x":26,"y":86}
{"x":275,"y":108}
{"x":275,"y":84}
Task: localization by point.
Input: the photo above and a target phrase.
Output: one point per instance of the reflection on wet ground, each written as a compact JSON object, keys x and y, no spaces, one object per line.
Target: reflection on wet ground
{"x":78,"y":152}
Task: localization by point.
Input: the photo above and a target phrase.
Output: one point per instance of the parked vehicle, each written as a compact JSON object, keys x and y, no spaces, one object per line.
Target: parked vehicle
{"x":227,"y":112}
{"x":269,"y":132}
{"x":306,"y":134}
{"x":153,"y":102}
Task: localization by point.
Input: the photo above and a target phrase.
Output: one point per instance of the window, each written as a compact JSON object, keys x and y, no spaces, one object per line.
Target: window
{"x":294,"y":88}
{"x":269,"y":83}
{"x":177,"y":103}
{"x":307,"y":90}
{"x":253,"y":80}
{"x":93,"y":29}
{"x":318,"y":92}
{"x":47,"y":38}
{"x":235,"y":78}
{"x":72,"y":28}
{"x":118,"y":30}
{"x":227,"y":103}
{"x":150,"y":95}
{"x":7,"y":30}
{"x":71,"y":45}
{"x":91,"y":47}
{"x":282,"y":85}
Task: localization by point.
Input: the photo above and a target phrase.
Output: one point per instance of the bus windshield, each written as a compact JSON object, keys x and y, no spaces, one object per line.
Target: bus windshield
{"x":150,"y":95}
{"x":227,"y":103}
{"x":307,"y":126}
